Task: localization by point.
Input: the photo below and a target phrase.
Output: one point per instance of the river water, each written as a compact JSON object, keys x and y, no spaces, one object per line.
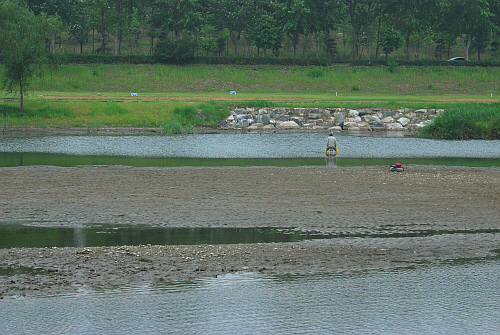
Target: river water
{"x":287,"y":145}
{"x":288,"y":149}
{"x":427,"y":299}
{"x":438,"y":299}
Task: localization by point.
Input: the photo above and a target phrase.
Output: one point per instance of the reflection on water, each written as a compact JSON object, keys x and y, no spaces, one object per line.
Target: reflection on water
{"x":16,"y":236}
{"x":19,"y":236}
{"x":434,"y":299}
{"x":20,"y":159}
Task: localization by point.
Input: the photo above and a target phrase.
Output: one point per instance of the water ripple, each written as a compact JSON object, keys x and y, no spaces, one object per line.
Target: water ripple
{"x":288,"y":145}
{"x":437,"y":299}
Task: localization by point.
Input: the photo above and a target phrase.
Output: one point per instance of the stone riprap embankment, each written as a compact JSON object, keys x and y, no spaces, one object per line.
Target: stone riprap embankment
{"x":332,"y":119}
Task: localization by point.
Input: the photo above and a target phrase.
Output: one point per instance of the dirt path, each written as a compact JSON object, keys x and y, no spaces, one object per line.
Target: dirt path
{"x":455,"y":208}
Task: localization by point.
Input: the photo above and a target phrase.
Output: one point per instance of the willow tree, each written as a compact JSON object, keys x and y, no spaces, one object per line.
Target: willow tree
{"x":23,"y":35}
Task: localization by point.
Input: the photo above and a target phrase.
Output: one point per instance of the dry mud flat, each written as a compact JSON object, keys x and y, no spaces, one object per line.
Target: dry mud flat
{"x":455,"y":210}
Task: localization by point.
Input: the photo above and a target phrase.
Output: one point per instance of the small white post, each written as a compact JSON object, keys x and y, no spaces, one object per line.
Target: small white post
{"x":491,"y":95}
{"x":335,"y":93}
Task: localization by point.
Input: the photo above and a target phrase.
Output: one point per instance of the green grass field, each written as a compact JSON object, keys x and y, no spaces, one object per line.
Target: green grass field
{"x":100,"y":95}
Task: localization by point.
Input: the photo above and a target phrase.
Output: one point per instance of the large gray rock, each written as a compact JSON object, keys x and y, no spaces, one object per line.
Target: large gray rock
{"x":353,"y":112}
{"x":314,"y":116}
{"x":339,"y":115}
{"x":364,"y":112}
{"x":264,"y":119}
{"x":287,"y":125}
{"x":240,"y":117}
{"x":350,"y":124}
{"x":297,"y":119}
{"x":388,"y":119}
{"x":404,"y":121}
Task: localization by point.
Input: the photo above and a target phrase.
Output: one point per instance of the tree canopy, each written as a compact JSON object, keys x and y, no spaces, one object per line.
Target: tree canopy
{"x":23,"y":36}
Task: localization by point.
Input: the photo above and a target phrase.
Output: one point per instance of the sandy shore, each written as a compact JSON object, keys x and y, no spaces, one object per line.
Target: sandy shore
{"x":456,"y":210}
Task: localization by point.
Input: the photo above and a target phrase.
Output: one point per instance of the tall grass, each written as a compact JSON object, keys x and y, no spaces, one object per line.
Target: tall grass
{"x":166,"y":79}
{"x":466,"y":121}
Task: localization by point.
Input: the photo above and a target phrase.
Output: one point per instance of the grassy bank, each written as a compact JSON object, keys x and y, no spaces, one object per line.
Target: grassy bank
{"x":94,"y":96}
{"x":164,"y":80}
{"x":466,"y":121}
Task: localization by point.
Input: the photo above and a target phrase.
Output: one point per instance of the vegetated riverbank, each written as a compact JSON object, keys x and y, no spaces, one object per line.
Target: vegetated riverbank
{"x":461,"y":122}
{"x":167,"y":80}
{"x":465,"y":122}
{"x":383,"y":219}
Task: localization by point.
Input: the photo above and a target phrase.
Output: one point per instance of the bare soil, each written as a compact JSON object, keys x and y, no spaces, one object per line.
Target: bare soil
{"x":456,"y":210}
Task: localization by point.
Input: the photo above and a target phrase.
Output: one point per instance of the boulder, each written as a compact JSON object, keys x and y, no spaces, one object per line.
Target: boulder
{"x":297,"y":119}
{"x":287,"y":125}
{"x":240,"y":117}
{"x":354,"y":119}
{"x":353,"y":112}
{"x":421,"y":111}
{"x":264,"y":119}
{"x":339,"y":115}
{"x":394,"y":126}
{"x":350,"y":125}
{"x":335,"y":128}
{"x":404,"y":121}
{"x":364,"y":112}
{"x":314,"y":116}
{"x":388,"y":119}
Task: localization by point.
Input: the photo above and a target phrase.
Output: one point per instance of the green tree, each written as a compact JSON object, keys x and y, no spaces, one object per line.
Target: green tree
{"x":296,"y":18}
{"x":263,"y":29}
{"x":23,"y":36}
{"x":361,"y":16}
{"x":80,"y":22}
{"x":390,"y":41}
{"x":411,"y":17}
{"x":232,"y":15}
{"x":464,"y":18}
{"x":176,"y":15}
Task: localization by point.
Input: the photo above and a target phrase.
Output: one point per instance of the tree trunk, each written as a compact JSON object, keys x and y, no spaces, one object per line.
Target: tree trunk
{"x":408,"y":55}
{"x":354,"y":43}
{"x":295,"y":42}
{"x":21,"y":95}
{"x":117,"y":20}
{"x":53,"y":43}
{"x":466,"y":45}
{"x":317,"y":46}
{"x":378,"y":37}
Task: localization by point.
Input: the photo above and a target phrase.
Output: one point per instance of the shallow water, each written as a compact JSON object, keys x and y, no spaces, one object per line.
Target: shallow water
{"x":289,"y":149}
{"x":14,"y":234}
{"x":431,"y":299}
{"x":23,"y":236}
{"x":446,"y":299}
{"x":289,"y":145}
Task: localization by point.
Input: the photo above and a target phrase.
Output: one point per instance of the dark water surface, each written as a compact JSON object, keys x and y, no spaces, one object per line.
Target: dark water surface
{"x":22,"y":236}
{"x":15,"y":235}
{"x":431,"y":299}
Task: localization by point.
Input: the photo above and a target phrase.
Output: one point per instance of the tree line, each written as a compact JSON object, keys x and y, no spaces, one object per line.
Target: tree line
{"x":178,"y":28}
{"x":383,"y":25}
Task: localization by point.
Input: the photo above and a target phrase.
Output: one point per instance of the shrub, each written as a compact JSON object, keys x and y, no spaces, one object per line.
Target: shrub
{"x":467,"y":121}
{"x":180,"y":51}
{"x":185,"y":113}
{"x":315,"y":73}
